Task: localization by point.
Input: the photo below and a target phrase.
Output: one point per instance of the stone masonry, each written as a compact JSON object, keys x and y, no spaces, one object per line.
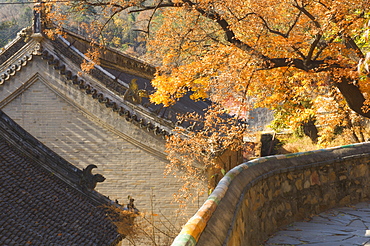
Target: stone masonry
{"x":257,"y":198}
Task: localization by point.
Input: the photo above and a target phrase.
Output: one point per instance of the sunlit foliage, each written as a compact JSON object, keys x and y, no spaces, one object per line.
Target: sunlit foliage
{"x":301,"y":58}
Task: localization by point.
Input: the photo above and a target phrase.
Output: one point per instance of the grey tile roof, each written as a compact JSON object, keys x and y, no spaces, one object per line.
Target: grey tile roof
{"x":38,"y":207}
{"x":116,"y":62}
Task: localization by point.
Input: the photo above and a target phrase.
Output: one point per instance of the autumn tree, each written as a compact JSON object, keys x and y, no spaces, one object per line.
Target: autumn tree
{"x":280,"y":54}
{"x":246,"y":47}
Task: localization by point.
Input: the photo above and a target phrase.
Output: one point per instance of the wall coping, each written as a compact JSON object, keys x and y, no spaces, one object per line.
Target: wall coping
{"x":193,"y":229}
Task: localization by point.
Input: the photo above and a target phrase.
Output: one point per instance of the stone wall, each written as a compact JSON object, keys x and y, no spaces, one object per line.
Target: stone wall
{"x":256,"y":198}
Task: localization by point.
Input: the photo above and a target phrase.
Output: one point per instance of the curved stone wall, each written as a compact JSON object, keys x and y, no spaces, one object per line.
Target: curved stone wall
{"x":258,"y":197}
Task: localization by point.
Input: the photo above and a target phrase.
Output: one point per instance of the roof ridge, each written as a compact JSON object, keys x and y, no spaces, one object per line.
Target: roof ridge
{"x":130,"y":112}
{"x":119,"y":52}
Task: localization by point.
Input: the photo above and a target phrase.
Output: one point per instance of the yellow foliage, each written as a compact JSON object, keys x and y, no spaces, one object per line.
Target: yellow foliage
{"x":288,"y":56}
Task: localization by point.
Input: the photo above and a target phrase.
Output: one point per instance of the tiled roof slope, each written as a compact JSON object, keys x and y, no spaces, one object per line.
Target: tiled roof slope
{"x":38,"y":205}
{"x":125,"y":68}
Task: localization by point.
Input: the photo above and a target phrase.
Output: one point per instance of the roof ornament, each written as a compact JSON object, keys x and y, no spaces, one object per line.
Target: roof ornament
{"x":25,"y":33}
{"x":134,"y":94}
{"x":131,"y":206}
{"x":37,"y":21}
{"x":89,"y":180}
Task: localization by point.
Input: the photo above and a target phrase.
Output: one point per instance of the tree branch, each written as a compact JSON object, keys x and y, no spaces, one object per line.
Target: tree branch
{"x":269,"y":29}
{"x":299,"y":63}
{"x":299,"y":52}
{"x":312,"y":48}
{"x":160,"y":5}
{"x":101,"y":4}
{"x":351,"y":44}
{"x":109,"y":19}
{"x":230,"y":35}
{"x":339,"y":33}
{"x":317,"y":37}
{"x":308,"y":14}
{"x":152,"y":15}
{"x":294,"y":23}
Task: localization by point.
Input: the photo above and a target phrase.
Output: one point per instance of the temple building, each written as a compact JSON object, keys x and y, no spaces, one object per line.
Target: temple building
{"x":100,"y":118}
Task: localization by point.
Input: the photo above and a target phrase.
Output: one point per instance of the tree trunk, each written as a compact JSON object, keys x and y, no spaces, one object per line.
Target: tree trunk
{"x":310,"y":130}
{"x":350,"y":127}
{"x":354,"y":97}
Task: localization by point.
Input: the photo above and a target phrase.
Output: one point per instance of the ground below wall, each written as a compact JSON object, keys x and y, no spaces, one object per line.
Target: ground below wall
{"x":347,"y":226}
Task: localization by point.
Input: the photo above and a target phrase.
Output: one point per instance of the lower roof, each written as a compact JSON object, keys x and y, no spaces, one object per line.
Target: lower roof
{"x":38,"y":207}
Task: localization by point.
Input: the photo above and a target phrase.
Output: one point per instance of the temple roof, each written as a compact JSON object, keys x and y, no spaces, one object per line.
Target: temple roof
{"x":124,"y":68}
{"x":115,"y":75}
{"x":42,"y":201}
